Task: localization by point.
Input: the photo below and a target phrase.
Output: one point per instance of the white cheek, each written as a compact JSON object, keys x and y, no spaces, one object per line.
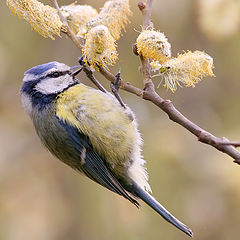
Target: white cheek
{"x":54,"y":85}
{"x":27,"y":104}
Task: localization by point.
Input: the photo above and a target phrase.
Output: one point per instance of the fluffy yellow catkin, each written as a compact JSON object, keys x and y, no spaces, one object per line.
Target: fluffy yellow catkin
{"x":100,"y":47}
{"x":43,"y":18}
{"x":154,"y":45}
{"x":114,"y":15}
{"x":185,"y":70}
{"x":78,"y":15}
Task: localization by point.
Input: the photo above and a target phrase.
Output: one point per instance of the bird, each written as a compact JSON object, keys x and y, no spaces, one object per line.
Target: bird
{"x":90,"y":131}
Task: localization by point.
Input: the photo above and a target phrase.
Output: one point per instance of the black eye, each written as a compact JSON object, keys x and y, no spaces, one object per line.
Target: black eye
{"x":55,"y":74}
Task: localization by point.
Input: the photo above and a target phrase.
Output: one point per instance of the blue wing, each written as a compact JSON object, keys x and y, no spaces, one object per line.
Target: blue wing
{"x":92,"y":164}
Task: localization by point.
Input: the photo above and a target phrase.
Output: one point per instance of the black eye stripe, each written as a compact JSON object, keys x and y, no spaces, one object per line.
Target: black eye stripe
{"x":57,"y":74}
{"x":28,"y":87}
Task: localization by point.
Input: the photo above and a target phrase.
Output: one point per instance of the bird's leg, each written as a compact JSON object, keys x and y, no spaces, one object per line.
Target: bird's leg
{"x":115,"y":87}
{"x":89,"y":74}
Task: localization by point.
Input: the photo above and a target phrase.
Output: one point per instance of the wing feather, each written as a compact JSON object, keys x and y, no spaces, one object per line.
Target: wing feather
{"x":94,"y":165}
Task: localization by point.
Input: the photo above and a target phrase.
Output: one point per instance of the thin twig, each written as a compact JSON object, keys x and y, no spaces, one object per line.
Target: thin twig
{"x":77,"y":41}
{"x":123,"y":85}
{"x":89,"y":74}
{"x":146,"y":9}
{"x":115,"y":87}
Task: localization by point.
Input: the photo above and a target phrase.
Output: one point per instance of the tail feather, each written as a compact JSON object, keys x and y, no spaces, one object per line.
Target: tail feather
{"x":153,"y":203}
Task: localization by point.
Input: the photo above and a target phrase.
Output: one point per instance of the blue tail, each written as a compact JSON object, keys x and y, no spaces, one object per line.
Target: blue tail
{"x":153,"y":203}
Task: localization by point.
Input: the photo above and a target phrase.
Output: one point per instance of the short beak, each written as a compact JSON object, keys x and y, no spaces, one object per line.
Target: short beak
{"x":75,"y":71}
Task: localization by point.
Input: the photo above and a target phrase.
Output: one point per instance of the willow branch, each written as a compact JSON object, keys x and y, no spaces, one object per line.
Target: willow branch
{"x":123,"y":85}
{"x":149,"y":93}
{"x":222,"y":144}
{"x":146,"y":9}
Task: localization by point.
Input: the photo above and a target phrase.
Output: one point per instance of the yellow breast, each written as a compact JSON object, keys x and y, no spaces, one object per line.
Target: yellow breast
{"x":102,"y":119}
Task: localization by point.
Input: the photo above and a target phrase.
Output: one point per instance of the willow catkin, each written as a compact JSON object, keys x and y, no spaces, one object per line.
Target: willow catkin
{"x":114,"y":15}
{"x":78,"y":15}
{"x":153,"y":45}
{"x":186,"y":70}
{"x":100,"y":47}
{"x":43,"y":18}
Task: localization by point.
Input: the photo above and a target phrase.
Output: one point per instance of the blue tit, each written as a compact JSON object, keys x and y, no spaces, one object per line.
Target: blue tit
{"x":89,"y":131}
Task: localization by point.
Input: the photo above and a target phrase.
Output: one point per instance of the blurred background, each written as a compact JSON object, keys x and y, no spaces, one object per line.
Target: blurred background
{"x":42,"y":199}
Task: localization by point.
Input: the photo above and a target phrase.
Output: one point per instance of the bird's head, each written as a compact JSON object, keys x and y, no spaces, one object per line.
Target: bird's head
{"x":42,"y":83}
